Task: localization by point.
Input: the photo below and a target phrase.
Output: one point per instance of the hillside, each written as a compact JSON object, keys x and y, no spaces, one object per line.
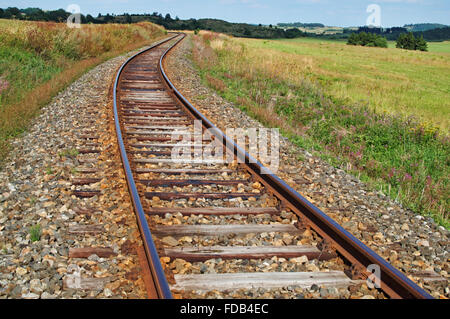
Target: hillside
{"x":420,"y":27}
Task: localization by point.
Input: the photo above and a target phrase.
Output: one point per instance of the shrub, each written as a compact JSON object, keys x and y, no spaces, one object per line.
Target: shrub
{"x":367,"y":39}
{"x":409,"y":42}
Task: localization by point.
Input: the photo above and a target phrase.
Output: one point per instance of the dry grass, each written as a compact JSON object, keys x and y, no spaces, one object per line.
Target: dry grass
{"x":37,"y":60}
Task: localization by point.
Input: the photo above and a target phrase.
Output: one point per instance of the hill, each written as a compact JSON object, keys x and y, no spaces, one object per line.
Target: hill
{"x":420,"y":27}
{"x":301,"y":25}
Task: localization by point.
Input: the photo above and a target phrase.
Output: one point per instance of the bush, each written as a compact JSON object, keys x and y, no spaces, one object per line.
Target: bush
{"x":409,"y":42}
{"x":367,"y":39}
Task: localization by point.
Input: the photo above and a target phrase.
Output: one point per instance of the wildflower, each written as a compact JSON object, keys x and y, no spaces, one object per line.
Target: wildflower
{"x":4,"y":85}
{"x":391,"y":173}
{"x":408,"y":177}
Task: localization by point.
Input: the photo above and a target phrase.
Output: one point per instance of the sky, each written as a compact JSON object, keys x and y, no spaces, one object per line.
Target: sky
{"x":329,"y":12}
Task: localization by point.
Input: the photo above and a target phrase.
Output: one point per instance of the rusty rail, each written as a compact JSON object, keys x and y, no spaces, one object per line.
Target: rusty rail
{"x":161,"y":286}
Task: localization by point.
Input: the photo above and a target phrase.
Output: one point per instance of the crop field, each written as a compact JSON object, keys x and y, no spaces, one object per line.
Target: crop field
{"x":39,"y":59}
{"x":382,"y":114}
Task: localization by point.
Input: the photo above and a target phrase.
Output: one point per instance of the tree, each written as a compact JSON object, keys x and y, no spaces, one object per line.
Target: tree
{"x":90,"y":19}
{"x":401,"y":41}
{"x":128,"y":18}
{"x":108,"y":18}
{"x":407,"y":41}
{"x":367,"y":39}
{"x":381,"y":42}
{"x":421,"y":44}
{"x":353,"y":39}
{"x":293,"y":33}
{"x":410,"y":42}
{"x":13,"y":11}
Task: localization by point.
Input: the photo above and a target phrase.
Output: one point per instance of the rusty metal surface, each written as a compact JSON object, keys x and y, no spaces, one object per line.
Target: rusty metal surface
{"x":157,"y":286}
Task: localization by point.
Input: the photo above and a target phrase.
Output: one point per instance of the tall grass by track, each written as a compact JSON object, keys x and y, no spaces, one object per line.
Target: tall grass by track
{"x":402,"y":155}
{"x":39,"y":59}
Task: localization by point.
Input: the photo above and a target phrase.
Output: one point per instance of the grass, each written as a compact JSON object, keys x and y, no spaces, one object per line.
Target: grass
{"x":376,"y":77}
{"x":433,"y":47}
{"x":343,"y":102}
{"x":35,"y":233}
{"x":39,"y":59}
{"x":71,"y":152}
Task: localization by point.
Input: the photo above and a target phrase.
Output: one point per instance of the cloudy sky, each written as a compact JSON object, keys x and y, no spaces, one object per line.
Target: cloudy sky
{"x":329,"y":12}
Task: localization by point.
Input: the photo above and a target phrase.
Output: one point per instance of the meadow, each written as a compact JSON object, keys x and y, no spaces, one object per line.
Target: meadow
{"x":382,"y":114}
{"x":39,"y":59}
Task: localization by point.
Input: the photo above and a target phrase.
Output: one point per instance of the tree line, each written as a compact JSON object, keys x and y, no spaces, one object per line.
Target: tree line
{"x":284,"y":30}
{"x":301,"y":25}
{"x":216,"y":25}
{"x":438,"y":34}
{"x":367,"y":39}
{"x":404,"y":41}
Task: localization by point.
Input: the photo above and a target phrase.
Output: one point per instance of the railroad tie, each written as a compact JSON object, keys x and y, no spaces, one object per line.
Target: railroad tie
{"x":266,"y":280}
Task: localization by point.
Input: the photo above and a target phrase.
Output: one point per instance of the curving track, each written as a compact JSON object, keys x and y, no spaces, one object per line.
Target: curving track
{"x":148,"y":109}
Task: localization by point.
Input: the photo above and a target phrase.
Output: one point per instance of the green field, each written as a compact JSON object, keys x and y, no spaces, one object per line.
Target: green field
{"x":381,"y":113}
{"x":391,"y":80}
{"x":434,"y":47}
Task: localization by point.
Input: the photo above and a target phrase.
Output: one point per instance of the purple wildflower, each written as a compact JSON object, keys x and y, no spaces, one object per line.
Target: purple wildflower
{"x":391,"y":173}
{"x":4,"y":85}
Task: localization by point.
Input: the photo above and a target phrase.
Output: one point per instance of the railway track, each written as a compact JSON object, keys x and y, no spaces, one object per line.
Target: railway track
{"x":215,"y":216}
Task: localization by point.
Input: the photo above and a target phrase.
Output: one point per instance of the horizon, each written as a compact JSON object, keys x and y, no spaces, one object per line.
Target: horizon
{"x":394,"y":13}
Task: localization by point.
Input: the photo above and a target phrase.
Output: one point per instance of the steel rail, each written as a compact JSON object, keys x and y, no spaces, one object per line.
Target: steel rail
{"x":393,"y":282}
{"x":159,"y":279}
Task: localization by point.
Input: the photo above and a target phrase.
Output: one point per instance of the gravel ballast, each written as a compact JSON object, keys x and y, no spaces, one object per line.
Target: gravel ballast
{"x":36,"y":189}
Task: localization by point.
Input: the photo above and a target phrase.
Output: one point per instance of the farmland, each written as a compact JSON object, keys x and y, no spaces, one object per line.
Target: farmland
{"x":382,"y":114}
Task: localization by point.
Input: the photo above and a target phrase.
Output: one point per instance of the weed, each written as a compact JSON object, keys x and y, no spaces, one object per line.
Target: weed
{"x":201,"y":97}
{"x":71,"y":152}
{"x":33,"y":200}
{"x":35,"y":233}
